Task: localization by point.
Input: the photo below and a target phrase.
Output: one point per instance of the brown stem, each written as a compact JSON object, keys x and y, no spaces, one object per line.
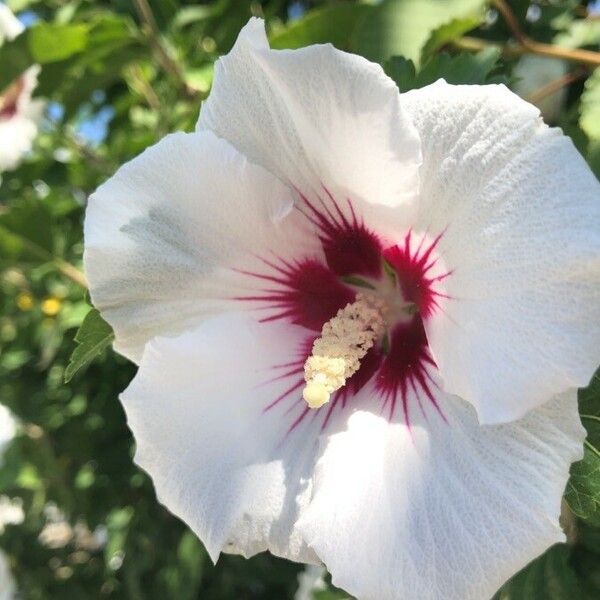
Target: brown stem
{"x":94,"y":159}
{"x":555,"y":85}
{"x":511,"y":20}
{"x":152,"y":33}
{"x":144,"y":88}
{"x":531,"y":46}
{"x":71,"y":272}
{"x":586,"y":57}
{"x":65,"y":268}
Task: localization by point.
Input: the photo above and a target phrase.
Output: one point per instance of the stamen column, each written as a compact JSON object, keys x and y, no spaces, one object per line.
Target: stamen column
{"x":344,"y":341}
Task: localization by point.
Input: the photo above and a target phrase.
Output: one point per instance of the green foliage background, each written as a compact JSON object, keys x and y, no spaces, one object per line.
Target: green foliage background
{"x":144,"y":67}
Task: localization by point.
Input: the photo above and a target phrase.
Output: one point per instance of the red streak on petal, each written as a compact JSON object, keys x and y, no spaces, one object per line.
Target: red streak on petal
{"x":350,"y":247}
{"x":299,"y":419}
{"x":411,"y":268}
{"x":369,"y":366}
{"x":400,"y":377}
{"x":300,"y":382}
{"x":310,"y":294}
{"x":405,"y":368}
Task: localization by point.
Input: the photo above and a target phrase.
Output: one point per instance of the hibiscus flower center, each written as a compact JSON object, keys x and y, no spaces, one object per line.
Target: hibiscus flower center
{"x":346,"y":338}
{"x":364,"y":307}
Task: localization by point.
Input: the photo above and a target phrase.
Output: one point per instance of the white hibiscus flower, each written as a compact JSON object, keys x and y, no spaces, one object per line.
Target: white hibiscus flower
{"x":19,"y":114}
{"x":440,"y":249}
{"x":8,"y":589}
{"x":8,"y":429}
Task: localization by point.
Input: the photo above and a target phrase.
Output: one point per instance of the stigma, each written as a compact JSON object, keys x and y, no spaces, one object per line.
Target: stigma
{"x":345,"y":340}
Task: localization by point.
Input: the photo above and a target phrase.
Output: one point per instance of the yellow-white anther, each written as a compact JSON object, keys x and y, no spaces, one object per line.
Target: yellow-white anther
{"x":344,"y":341}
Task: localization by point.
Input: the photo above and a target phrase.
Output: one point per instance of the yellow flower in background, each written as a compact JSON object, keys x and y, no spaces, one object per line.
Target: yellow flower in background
{"x":25,"y":301}
{"x":51,"y":306}
{"x":19,"y":112}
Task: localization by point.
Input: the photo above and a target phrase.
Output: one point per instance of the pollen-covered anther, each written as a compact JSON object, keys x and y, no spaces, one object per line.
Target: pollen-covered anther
{"x":344,"y":341}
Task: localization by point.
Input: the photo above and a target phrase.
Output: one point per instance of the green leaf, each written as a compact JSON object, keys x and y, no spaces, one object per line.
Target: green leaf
{"x":18,"y":5}
{"x":51,"y":43}
{"x":112,"y":45}
{"x":334,"y":24}
{"x":403,"y":72}
{"x":402,"y":27}
{"x":465,"y":68}
{"x":93,"y":337}
{"x":550,"y":577}
{"x":579,"y":33}
{"x":357,"y":281}
{"x":43,"y":43}
{"x":589,"y":397}
{"x":449,"y":32}
{"x":593,"y":156}
{"x":26,"y":233}
{"x":15,"y":58}
{"x":188,"y":15}
{"x":589,"y":119}
{"x":191,"y":558}
{"x":583,"y":488}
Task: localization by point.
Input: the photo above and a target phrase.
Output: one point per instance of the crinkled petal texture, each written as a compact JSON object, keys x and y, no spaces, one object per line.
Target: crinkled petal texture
{"x":443,"y":509}
{"x":521,"y":215}
{"x":163,"y":235}
{"x":218,"y":459}
{"x":315,"y":117}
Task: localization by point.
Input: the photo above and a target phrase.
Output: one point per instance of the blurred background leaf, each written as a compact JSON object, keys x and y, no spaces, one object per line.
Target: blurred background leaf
{"x":402,"y":27}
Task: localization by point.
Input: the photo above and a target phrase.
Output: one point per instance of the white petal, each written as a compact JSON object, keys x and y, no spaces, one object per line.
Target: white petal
{"x":314,"y":117}
{"x":10,"y":26}
{"x":163,"y":234}
{"x":218,"y":459}
{"x":443,"y":510}
{"x":521,"y":215}
{"x":8,"y":586}
{"x":8,"y":428}
{"x":18,"y":131}
{"x":16,"y":138}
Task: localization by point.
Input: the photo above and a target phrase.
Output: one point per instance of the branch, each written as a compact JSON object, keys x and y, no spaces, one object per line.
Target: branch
{"x":143,"y":87}
{"x":152,"y":33}
{"x":586,"y":57}
{"x":527,"y":45}
{"x":62,"y":266}
{"x":99,"y":163}
{"x":510,"y":19}
{"x":71,"y":272}
{"x":556,"y":84}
